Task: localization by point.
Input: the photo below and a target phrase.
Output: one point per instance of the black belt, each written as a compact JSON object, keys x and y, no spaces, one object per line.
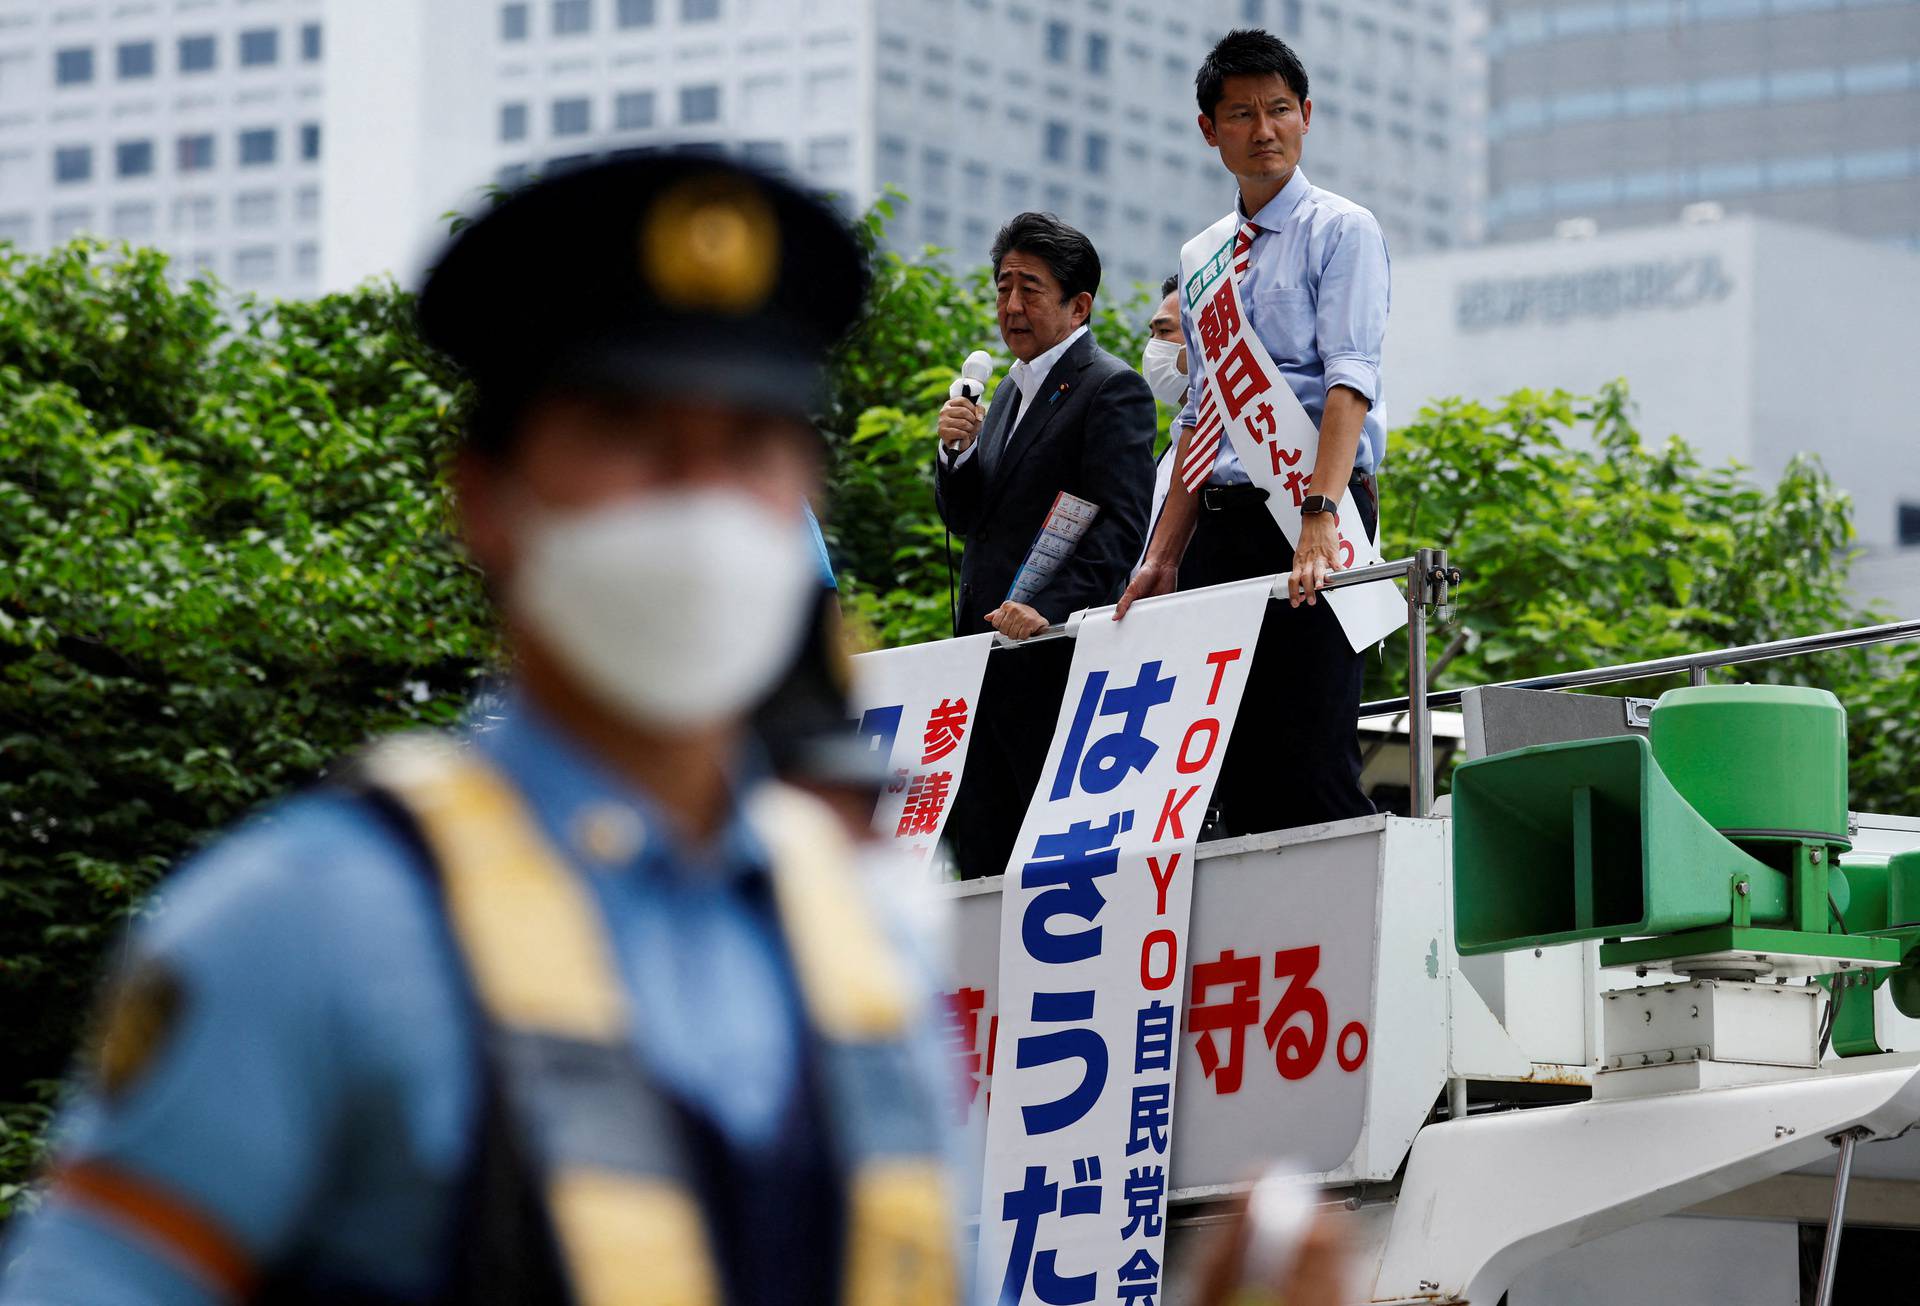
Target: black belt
{"x":1219,"y":498}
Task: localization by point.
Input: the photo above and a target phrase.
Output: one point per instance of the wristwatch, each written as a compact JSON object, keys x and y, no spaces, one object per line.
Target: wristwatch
{"x":1314,"y":504}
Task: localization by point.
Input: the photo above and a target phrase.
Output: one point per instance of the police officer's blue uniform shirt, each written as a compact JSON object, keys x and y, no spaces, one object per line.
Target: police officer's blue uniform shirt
{"x":820,"y":549}
{"x":1315,"y":292}
{"x":318,"y":1095}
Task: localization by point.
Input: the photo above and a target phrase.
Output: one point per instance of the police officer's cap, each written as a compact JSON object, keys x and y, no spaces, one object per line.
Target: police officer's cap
{"x":663,"y":273}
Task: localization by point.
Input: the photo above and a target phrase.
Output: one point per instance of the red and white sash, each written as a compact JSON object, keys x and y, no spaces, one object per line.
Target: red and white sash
{"x":1244,"y":398}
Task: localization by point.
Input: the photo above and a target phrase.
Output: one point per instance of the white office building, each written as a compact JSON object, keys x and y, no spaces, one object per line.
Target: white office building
{"x":197,"y":127}
{"x":1753,"y":339}
{"x":296,"y":145}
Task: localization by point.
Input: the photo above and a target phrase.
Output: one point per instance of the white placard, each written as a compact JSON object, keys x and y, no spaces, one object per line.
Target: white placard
{"x":1093,"y":928}
{"x":1060,"y":534}
{"x":918,"y":705}
{"x":1275,"y":439}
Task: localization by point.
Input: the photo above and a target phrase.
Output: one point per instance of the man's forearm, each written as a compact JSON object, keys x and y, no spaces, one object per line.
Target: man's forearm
{"x":1174,"y":530}
{"x":1340,"y":426}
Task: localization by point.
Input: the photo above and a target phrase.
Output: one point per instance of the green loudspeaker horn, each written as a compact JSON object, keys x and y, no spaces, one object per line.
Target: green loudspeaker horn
{"x":1589,"y":840}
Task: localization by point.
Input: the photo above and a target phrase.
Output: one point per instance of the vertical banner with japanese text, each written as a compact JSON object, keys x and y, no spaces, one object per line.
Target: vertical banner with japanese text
{"x":1246,"y":398}
{"x":1093,"y":926}
{"x":917,"y":705}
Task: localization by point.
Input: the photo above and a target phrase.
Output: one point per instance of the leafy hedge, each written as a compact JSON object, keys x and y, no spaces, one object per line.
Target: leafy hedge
{"x":228,"y":560}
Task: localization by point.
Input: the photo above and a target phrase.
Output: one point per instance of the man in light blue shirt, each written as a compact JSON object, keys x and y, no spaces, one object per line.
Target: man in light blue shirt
{"x":1315,"y":291}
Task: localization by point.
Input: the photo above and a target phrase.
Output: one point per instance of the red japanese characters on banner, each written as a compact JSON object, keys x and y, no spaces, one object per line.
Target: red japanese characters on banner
{"x":917,"y":705}
{"x":1244,"y":398}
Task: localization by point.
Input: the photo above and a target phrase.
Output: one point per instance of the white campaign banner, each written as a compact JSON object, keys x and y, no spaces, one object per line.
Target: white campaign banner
{"x":917,"y":705}
{"x":1093,"y":929}
{"x":1275,"y":439}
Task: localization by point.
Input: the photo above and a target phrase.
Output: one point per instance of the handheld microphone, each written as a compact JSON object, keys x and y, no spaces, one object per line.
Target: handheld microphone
{"x":974,"y":374}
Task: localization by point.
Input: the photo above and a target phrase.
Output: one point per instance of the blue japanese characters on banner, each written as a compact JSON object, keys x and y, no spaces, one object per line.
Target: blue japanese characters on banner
{"x":1092,"y":940}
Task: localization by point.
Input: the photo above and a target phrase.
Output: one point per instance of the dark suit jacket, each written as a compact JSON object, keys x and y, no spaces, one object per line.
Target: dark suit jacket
{"x":1089,"y":431}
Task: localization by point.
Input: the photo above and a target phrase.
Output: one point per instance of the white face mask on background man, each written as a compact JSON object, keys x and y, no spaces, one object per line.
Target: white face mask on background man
{"x":1160,"y":364}
{"x":679,"y":608}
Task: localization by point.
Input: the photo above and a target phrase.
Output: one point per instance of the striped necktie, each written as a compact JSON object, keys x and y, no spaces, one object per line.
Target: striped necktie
{"x":1204,"y":448}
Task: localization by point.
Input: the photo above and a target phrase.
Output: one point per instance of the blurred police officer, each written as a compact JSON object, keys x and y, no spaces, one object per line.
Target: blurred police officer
{"x":577,"y":1008}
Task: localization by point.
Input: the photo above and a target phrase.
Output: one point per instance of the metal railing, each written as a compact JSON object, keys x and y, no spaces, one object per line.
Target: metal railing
{"x":1430,"y":581}
{"x":1695,"y":665}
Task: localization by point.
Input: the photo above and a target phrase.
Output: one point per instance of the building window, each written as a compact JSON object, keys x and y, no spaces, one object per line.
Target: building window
{"x":306,"y":261}
{"x":571,"y":17}
{"x":310,"y":43}
{"x":255,"y":208}
{"x":194,"y":153}
{"x":16,"y":228}
{"x":260,"y":48}
{"x":513,"y":122}
{"x":633,"y":110}
{"x":699,"y":11}
{"x":1058,"y":39}
{"x":253,"y":265}
{"x":258,"y":146}
{"x":1096,"y":154}
{"x":134,"y":60}
{"x":133,"y":158}
{"x":309,"y":141}
{"x":829,"y":155}
{"x":1253,"y":13}
{"x":306,"y":203}
{"x":65,"y":224}
{"x":132,"y":221}
{"x":699,"y":104}
{"x":765,"y":154}
{"x":196,"y":54}
{"x":1097,"y":50}
{"x":933,"y":171}
{"x":73,"y":67}
{"x":635,"y":13}
{"x":513,"y":22}
{"x":571,"y":117}
{"x":73,"y":163}
{"x":1907,"y":529}
{"x":1055,"y":148}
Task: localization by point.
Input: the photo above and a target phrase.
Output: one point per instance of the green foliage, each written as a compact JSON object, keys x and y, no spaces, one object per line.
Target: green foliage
{"x":228,"y":562}
{"x":1583,"y":545}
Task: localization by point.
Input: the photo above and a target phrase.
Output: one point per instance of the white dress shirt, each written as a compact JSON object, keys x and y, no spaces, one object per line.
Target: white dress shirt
{"x":1029,"y":377}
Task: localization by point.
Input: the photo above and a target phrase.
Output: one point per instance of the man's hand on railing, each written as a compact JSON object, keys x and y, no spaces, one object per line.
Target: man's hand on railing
{"x":1316,"y":556}
{"x":1016,"y":620}
{"x":1153,"y":579}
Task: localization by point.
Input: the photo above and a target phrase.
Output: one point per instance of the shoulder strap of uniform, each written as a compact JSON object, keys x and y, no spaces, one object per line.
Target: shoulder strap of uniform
{"x":542,"y":968}
{"x":854,"y":982}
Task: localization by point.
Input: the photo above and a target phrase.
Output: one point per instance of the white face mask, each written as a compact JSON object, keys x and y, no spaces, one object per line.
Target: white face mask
{"x":1161,"y":366}
{"x":680,"y":608}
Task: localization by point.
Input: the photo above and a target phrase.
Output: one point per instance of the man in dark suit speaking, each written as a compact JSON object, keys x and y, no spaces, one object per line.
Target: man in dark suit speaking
{"x":1069,"y":416}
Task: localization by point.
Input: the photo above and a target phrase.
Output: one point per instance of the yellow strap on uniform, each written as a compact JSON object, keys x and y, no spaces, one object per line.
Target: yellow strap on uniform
{"x":855,"y":988}
{"x":540,"y":961}
{"x":900,"y":1225}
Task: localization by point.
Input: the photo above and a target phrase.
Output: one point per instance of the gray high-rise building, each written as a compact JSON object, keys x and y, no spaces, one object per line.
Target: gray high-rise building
{"x":294,"y":146}
{"x":1624,"y":112}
